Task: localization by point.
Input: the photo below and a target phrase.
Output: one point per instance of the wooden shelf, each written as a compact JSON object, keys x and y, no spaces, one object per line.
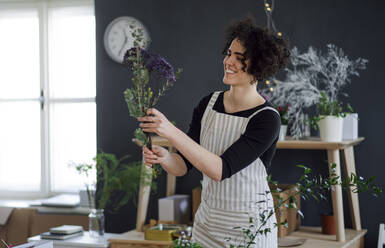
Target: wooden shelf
{"x":314,"y":143}
{"x":314,"y":238}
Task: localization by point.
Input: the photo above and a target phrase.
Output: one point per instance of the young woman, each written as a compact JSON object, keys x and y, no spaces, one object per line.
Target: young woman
{"x":231,"y":140}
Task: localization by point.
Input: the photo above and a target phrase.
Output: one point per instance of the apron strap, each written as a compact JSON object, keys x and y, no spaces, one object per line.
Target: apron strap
{"x":255,"y":113}
{"x":213,"y":99}
{"x":208,"y":115}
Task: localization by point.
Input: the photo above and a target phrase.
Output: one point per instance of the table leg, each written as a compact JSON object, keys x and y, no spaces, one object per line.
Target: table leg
{"x":144,"y":195}
{"x":171,"y":179}
{"x":350,"y":168}
{"x":334,"y":157}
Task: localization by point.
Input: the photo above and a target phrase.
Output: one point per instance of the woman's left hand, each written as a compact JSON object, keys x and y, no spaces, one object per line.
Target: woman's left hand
{"x":157,"y":123}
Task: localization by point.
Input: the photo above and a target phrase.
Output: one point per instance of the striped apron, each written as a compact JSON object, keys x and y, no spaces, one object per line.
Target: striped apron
{"x":229,"y":204}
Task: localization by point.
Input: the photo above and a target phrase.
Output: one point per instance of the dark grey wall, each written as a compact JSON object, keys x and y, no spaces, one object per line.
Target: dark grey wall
{"x":190,"y":35}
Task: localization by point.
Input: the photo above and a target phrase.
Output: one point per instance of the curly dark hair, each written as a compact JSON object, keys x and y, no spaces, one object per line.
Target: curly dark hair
{"x":267,"y":52}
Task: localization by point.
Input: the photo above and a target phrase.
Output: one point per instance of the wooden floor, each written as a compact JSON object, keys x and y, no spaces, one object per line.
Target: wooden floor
{"x":314,"y":238}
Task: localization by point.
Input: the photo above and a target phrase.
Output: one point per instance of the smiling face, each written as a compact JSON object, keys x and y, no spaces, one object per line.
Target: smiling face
{"x":232,"y":64}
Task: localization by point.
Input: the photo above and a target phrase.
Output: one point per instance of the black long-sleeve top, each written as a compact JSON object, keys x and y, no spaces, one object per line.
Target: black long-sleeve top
{"x":258,"y":140}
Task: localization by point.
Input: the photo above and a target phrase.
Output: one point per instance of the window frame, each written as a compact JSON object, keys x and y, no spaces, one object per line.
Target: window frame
{"x":43,"y":7}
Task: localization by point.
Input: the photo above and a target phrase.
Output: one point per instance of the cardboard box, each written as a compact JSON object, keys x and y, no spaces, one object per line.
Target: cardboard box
{"x":175,"y":208}
{"x":283,"y":214}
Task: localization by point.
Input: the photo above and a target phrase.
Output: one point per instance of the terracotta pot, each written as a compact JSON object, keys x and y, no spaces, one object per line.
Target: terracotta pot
{"x":327,"y":224}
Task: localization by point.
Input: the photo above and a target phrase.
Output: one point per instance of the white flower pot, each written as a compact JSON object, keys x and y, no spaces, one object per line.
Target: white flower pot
{"x":350,"y":129}
{"x":282,"y":132}
{"x":331,"y":128}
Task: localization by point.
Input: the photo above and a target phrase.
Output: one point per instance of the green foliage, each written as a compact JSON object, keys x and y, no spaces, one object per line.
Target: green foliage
{"x":185,"y":243}
{"x":308,"y":187}
{"x":327,"y":108}
{"x":118,"y":182}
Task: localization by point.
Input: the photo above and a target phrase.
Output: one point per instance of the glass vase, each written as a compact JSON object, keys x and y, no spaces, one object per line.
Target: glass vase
{"x":96,"y":222}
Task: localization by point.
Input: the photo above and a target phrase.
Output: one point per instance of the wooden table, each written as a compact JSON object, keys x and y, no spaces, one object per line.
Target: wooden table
{"x":333,"y":152}
{"x":84,"y":241}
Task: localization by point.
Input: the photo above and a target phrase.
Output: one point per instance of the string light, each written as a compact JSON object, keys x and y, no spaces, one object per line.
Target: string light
{"x":269,"y":7}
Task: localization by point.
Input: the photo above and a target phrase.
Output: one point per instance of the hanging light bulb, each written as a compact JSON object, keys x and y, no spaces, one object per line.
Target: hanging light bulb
{"x":279,"y":34}
{"x":271,"y":89}
{"x":267,"y":82}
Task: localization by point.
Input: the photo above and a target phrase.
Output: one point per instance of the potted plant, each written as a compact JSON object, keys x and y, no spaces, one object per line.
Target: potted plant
{"x":282,"y":110}
{"x":117,"y":182}
{"x":330,"y":118}
{"x":308,"y":74}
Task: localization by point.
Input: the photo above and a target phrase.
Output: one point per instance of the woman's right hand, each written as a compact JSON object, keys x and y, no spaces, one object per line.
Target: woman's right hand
{"x":157,"y":155}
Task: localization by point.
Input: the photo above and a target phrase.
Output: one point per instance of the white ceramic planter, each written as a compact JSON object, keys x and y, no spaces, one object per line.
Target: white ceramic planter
{"x":331,"y":128}
{"x":350,"y":129}
{"x":282,"y":132}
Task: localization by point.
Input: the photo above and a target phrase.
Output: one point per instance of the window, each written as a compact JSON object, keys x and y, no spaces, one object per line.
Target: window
{"x":47,"y":95}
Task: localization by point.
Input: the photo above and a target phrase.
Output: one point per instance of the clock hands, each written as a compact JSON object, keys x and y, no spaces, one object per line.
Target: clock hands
{"x":121,"y":51}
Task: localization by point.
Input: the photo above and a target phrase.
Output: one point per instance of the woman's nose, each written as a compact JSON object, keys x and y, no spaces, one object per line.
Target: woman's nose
{"x":228,"y":61}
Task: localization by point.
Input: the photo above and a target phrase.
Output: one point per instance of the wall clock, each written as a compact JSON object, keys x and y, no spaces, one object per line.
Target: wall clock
{"x":118,"y":38}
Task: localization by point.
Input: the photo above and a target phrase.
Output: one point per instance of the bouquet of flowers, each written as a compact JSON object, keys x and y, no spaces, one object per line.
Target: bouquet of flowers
{"x":141,"y":97}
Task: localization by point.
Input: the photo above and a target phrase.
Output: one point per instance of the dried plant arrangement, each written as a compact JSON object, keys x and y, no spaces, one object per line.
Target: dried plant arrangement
{"x":308,"y":75}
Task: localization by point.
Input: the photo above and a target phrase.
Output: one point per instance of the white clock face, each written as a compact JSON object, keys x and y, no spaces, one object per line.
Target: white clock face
{"x":118,"y":38}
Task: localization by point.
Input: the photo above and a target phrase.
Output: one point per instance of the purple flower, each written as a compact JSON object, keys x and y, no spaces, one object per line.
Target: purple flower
{"x":153,"y":62}
{"x":159,"y":65}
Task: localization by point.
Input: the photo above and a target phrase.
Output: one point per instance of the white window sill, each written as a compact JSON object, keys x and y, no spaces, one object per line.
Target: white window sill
{"x":35,"y":204}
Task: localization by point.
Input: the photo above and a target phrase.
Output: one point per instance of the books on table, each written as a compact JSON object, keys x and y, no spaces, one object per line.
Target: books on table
{"x":63,"y":232}
{"x":48,"y":235}
{"x":66,"y":229}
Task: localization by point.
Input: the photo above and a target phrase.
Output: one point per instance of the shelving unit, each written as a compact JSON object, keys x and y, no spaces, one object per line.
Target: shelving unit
{"x":346,"y":237}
